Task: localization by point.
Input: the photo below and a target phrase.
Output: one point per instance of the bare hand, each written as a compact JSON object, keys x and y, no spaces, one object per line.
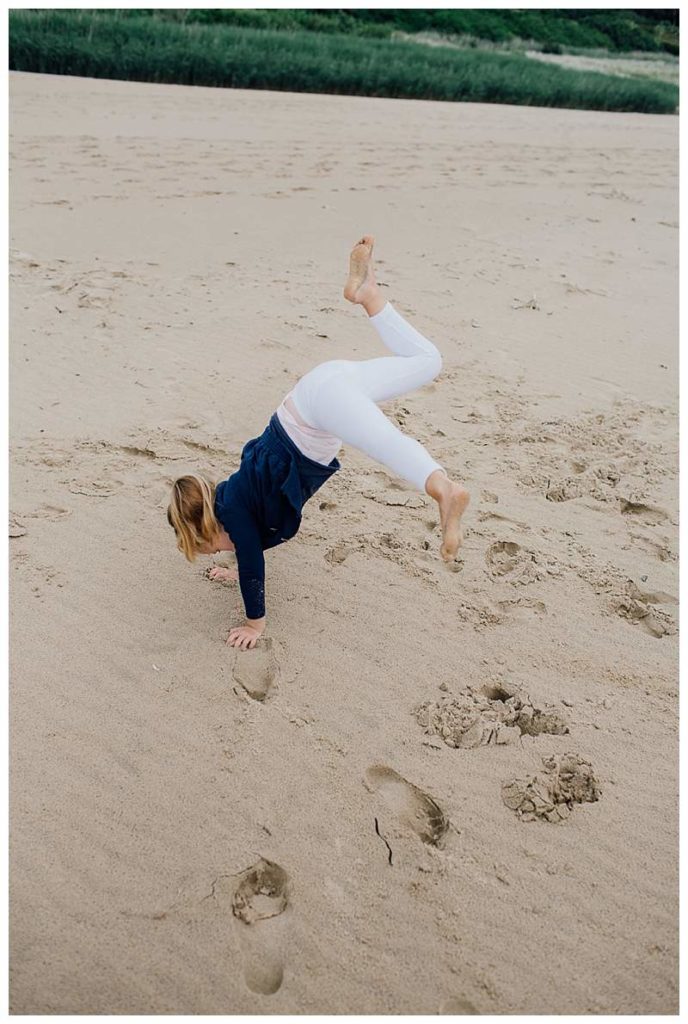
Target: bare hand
{"x":221,"y":574}
{"x":244,"y":637}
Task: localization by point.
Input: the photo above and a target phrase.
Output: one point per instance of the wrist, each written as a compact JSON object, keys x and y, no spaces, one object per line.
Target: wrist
{"x":256,"y":623}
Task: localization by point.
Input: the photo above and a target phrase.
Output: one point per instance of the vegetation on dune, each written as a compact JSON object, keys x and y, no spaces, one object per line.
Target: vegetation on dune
{"x":615,"y":30}
{"x":137,"y":46}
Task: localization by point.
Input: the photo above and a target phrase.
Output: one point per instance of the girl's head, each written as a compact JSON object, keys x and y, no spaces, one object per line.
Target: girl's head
{"x":191,"y":513}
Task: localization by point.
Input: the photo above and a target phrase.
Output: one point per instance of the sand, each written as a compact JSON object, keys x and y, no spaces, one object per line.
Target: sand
{"x":427,"y":790}
{"x":661,"y":67}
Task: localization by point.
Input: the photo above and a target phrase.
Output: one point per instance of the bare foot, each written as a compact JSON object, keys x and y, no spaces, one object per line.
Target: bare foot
{"x":453,"y":501}
{"x":361,"y":283}
{"x":453,"y":504}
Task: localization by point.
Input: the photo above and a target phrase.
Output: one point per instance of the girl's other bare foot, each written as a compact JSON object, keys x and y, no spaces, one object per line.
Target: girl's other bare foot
{"x":361,"y":287}
{"x":453,"y":501}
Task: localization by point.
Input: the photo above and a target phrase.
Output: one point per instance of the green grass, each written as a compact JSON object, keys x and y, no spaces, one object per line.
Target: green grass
{"x":614,"y":30}
{"x":142,"y":48}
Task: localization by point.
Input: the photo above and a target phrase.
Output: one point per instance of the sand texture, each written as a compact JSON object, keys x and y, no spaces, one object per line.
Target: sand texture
{"x":429,"y":789}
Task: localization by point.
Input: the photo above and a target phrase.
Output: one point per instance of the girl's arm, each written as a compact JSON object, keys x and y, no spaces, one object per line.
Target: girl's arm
{"x":251,"y":565}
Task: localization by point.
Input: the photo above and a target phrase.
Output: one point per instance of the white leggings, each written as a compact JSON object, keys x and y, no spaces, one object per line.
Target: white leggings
{"x":339,"y":397}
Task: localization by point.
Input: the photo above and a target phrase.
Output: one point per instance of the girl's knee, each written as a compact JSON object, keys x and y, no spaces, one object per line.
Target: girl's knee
{"x":436,"y":362}
{"x":432,"y":364}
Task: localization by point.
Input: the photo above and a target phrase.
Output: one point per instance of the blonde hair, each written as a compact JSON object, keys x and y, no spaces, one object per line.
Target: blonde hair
{"x":191,"y":513}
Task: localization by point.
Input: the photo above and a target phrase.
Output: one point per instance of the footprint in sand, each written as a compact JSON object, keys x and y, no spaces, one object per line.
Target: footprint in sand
{"x":257,"y":670}
{"x":567,"y":489}
{"x":411,"y":805}
{"x":338,"y":554}
{"x":52,"y":512}
{"x":648,"y":514}
{"x":638,"y":607}
{"x":493,"y":715}
{"x":514,"y":564}
{"x":261,"y":910}
{"x":503,"y":557}
{"x":551,"y":794}
{"x":480,"y":616}
{"x":522,"y":608}
{"x":658,"y":549}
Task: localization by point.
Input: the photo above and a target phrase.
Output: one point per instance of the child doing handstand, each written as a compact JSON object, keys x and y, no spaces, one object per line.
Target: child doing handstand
{"x":260,"y":505}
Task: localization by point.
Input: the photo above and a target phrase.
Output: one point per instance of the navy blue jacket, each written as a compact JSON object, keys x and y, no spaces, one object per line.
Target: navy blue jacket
{"x":260,"y":505}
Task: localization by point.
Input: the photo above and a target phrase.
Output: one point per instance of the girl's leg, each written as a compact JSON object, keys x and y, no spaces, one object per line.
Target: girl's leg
{"x":340,"y":398}
{"x":416,"y":361}
{"x":341,"y":407}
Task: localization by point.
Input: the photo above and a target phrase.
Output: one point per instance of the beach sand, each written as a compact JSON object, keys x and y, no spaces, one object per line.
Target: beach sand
{"x":200,"y":831}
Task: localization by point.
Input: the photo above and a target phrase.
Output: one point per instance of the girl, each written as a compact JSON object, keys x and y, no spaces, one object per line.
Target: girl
{"x":260,"y":505}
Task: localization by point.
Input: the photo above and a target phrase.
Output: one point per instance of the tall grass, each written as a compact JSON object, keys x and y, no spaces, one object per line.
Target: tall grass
{"x":616,"y":30}
{"x":99,"y":44}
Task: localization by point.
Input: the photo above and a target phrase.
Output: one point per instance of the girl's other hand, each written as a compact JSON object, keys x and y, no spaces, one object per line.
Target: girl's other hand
{"x":221,"y":574}
{"x":244,"y":637}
